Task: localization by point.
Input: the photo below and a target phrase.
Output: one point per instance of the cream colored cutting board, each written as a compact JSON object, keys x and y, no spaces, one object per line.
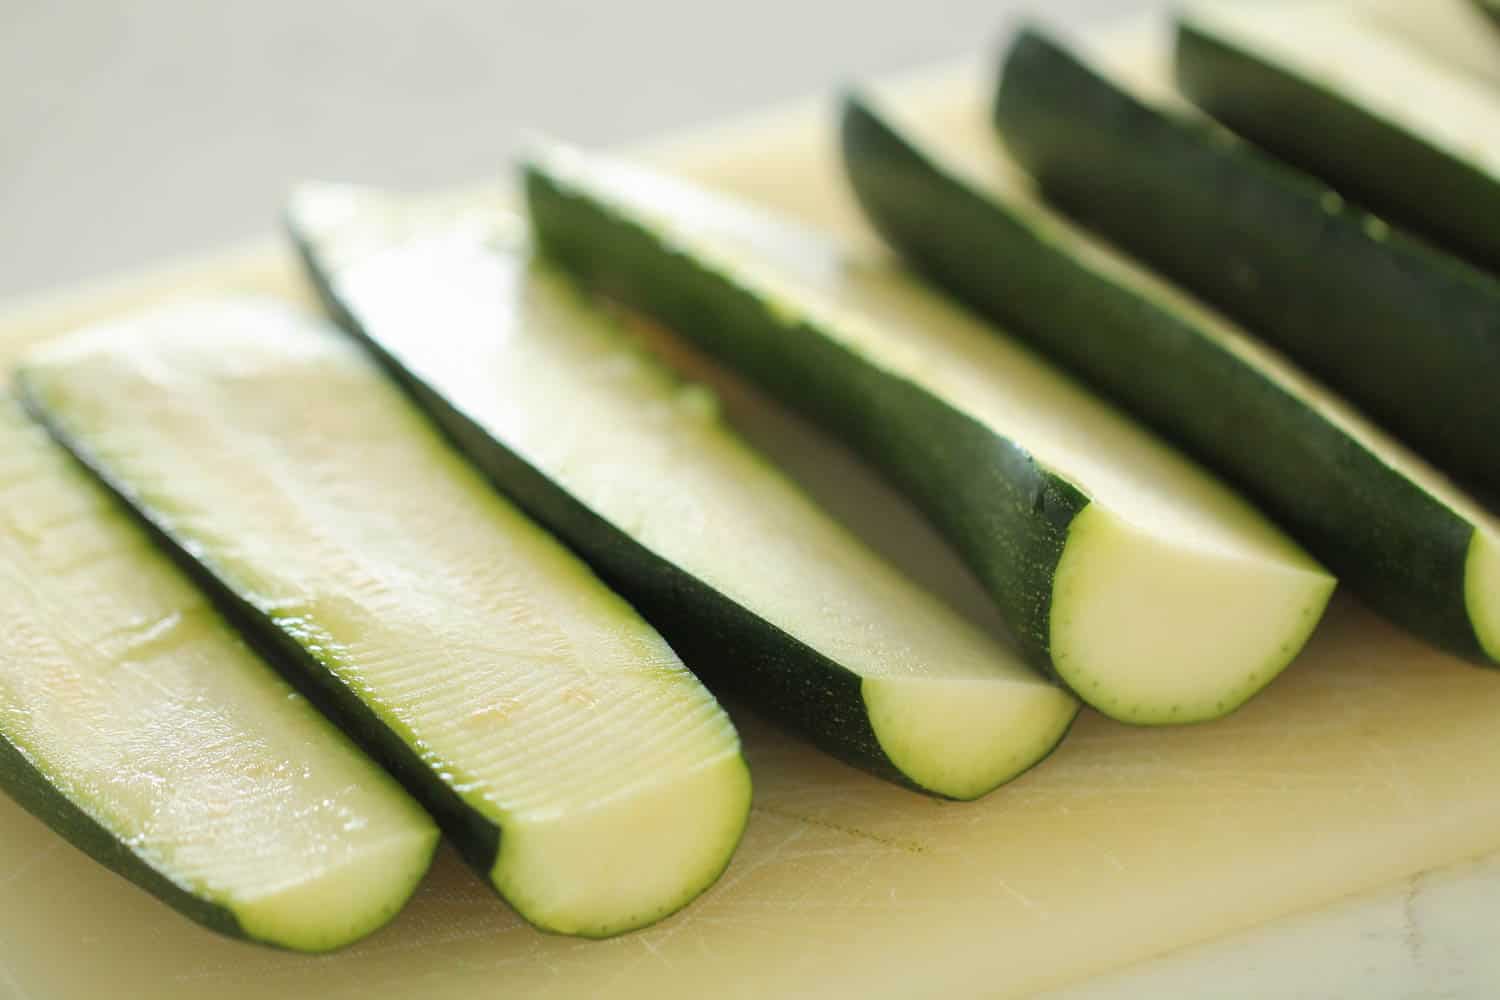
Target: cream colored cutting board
{"x":1371,"y":759}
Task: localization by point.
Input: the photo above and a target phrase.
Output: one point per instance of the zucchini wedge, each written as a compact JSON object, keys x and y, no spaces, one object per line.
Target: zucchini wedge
{"x":1409,"y":334}
{"x":136,"y":723}
{"x":1459,"y":34}
{"x":1404,"y":538}
{"x":1320,"y":87}
{"x":1150,"y":589}
{"x":761,"y":591}
{"x":558,"y":740}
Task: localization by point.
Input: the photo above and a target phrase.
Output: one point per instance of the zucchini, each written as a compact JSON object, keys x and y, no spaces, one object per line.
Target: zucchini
{"x":764,"y":594}
{"x":561,"y":744}
{"x":1409,"y":334}
{"x":139,"y":726}
{"x":1156,"y":594}
{"x":1381,"y":122}
{"x":1460,"y":34}
{"x":1408,"y":542}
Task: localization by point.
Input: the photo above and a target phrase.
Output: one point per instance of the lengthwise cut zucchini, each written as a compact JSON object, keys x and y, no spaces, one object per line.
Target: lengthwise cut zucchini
{"x":1459,"y":34}
{"x":1394,"y":129}
{"x":560,"y":742}
{"x":761,"y":591}
{"x":1409,"y":334}
{"x":1410,"y":543}
{"x":137,"y":724}
{"x":1154,"y":592}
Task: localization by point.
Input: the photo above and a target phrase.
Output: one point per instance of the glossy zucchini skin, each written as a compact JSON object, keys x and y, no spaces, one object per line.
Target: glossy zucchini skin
{"x":33,"y":792}
{"x":475,"y":838}
{"x":516,"y":695}
{"x":1006,"y":515}
{"x":1399,"y":548}
{"x":791,"y":683}
{"x":1408,"y":333}
{"x":1373,"y":161}
{"x":93,"y":817}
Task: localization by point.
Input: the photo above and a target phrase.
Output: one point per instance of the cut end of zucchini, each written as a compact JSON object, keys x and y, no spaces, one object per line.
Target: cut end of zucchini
{"x":631,"y":860}
{"x":1482,"y":590}
{"x":961,"y":738}
{"x":516,"y":692}
{"x":547,"y":377}
{"x":343,"y":904}
{"x":909,"y":362}
{"x":1152,"y":633}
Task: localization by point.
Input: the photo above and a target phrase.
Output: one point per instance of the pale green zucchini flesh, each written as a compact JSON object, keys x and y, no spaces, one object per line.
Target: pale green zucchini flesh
{"x":1406,"y":539}
{"x":568,"y":753}
{"x":1461,"y":34}
{"x":1154,"y":592}
{"x":136,"y":722}
{"x":762,"y":591}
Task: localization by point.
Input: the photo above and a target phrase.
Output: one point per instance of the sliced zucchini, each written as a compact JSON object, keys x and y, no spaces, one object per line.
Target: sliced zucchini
{"x":137,"y":724}
{"x":1407,"y":540}
{"x":760,"y":590}
{"x":1461,"y":34}
{"x":1411,"y":335}
{"x":567,"y":752}
{"x":1151,"y":590}
{"x":1318,"y":85}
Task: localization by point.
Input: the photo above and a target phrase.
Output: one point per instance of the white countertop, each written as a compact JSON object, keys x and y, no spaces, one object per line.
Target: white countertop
{"x":133,"y":132}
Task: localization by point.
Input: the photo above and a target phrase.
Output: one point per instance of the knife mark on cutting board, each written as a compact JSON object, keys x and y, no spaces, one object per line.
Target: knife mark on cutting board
{"x":900,"y":844}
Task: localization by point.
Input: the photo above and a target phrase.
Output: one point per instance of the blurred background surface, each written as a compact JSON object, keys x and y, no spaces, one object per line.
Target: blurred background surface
{"x":133,"y":131}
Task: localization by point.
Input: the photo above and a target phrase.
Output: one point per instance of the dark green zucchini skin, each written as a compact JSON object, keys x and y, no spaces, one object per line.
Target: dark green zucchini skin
{"x":28,"y":787}
{"x":1372,"y":161}
{"x":1408,"y":333}
{"x":1006,"y":515}
{"x":732,"y":650}
{"x":33,"y":792}
{"x":476,"y":839}
{"x":1402,"y":551}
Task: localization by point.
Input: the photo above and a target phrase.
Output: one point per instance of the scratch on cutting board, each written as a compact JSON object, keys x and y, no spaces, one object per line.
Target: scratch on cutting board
{"x":900,"y":844}
{"x":1018,"y":895}
{"x":1411,"y":925}
{"x":13,"y":990}
{"x":653,"y":950}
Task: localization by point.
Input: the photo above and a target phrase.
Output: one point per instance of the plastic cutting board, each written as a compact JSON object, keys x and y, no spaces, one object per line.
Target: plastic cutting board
{"x":1371,"y":759}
